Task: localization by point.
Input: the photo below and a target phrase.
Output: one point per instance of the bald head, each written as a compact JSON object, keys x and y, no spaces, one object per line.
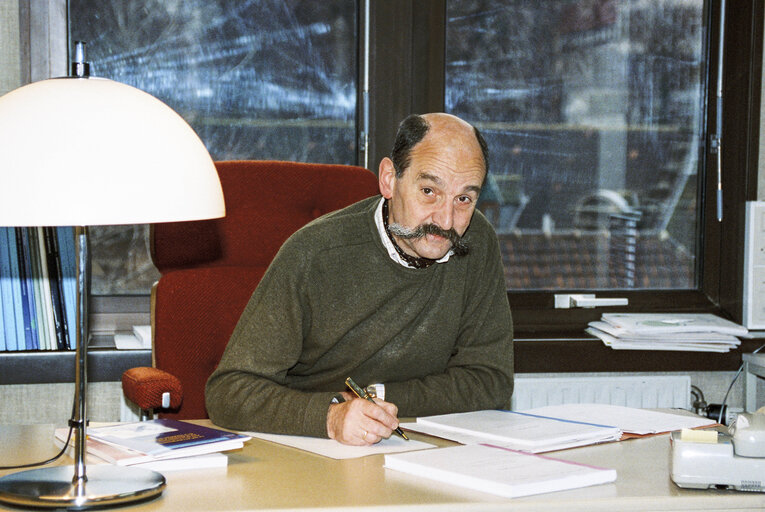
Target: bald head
{"x":443,"y":129}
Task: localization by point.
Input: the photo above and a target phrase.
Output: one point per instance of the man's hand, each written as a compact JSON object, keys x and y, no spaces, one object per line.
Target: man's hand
{"x":360,"y":422}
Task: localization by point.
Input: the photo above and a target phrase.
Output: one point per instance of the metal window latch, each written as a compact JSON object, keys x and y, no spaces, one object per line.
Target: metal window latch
{"x":585,"y":300}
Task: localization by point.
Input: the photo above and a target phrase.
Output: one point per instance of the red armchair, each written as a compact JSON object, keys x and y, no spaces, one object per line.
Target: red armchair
{"x":210,"y":268}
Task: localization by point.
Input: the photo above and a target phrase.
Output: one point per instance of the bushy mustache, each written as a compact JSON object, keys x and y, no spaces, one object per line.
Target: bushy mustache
{"x":459,"y":246}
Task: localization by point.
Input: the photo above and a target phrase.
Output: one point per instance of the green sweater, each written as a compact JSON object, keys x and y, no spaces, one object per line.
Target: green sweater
{"x":333,"y":304}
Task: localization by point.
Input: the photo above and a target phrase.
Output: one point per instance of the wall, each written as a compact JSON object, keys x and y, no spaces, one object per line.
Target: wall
{"x":10,"y":78}
{"x":52,"y":403}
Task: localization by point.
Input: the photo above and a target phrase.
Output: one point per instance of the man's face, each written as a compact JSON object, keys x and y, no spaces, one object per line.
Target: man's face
{"x":440,"y":187}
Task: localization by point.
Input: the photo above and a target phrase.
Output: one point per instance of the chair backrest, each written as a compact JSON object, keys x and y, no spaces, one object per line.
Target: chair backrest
{"x":209,"y":269}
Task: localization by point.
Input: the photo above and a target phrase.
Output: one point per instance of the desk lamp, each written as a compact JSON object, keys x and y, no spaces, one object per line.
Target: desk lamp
{"x":81,"y":151}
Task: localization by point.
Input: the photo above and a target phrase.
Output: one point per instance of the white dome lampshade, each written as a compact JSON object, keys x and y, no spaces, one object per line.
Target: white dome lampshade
{"x":91,"y":151}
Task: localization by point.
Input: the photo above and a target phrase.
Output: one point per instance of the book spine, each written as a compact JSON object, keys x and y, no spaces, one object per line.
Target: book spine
{"x":52,"y":258}
{"x":46,"y":294}
{"x":18,"y":309}
{"x":41,"y":315}
{"x":68,"y":259}
{"x":27,"y":294}
{"x":4,"y":341}
{"x":7,"y":302}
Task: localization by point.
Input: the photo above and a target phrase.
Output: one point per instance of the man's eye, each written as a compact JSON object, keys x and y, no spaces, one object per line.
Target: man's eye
{"x":465,"y":199}
{"x":427,"y":191}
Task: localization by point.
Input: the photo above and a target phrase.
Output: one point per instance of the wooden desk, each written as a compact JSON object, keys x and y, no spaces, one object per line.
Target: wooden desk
{"x":266,"y":476}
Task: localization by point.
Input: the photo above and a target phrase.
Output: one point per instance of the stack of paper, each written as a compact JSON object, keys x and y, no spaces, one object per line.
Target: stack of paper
{"x":514,"y":430}
{"x":157,"y":443}
{"x":498,"y":470}
{"x":699,"y":332}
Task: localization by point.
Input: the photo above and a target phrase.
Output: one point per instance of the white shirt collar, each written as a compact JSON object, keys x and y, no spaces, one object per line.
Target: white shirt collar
{"x":388,"y":244}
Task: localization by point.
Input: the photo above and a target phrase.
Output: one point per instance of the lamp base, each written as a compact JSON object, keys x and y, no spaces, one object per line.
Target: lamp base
{"x":105,"y":485}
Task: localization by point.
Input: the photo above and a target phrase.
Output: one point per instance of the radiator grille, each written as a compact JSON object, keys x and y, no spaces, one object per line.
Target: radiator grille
{"x":672,"y":391}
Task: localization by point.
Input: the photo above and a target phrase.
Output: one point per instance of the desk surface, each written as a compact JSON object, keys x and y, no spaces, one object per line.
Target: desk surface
{"x":267,"y":476}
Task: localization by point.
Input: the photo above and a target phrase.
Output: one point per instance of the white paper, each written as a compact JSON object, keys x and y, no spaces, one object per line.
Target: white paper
{"x":628,"y":419}
{"x":127,"y":342}
{"x":662,"y":343}
{"x":335,"y":450}
{"x":519,"y":431}
{"x":672,"y":323}
{"x":683,"y":337}
{"x":498,"y":471}
{"x":143,"y":333}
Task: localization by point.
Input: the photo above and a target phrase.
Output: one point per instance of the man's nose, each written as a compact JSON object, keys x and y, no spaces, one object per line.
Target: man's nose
{"x":443,"y":217}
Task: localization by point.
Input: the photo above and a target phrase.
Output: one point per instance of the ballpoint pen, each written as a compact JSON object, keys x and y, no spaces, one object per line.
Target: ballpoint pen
{"x":362,"y":393}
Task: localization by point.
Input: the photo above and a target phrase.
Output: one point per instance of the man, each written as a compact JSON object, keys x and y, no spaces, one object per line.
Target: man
{"x":404,"y":292}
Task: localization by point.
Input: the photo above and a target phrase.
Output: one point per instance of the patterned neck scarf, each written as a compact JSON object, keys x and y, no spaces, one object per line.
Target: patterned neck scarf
{"x":411,"y":260}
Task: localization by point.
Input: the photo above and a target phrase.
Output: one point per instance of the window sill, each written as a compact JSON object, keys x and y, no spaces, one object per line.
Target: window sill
{"x":105,"y":364}
{"x":541,"y":353}
{"x":556,"y":353}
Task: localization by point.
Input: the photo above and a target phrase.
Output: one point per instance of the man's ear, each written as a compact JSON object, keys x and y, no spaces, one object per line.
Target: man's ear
{"x":386,"y":177}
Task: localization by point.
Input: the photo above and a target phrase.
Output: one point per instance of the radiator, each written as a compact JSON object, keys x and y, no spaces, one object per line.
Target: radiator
{"x":671,"y":391}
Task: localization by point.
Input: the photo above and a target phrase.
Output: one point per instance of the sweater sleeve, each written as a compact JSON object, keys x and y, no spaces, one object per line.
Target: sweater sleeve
{"x":479,"y":373}
{"x":247,"y":390}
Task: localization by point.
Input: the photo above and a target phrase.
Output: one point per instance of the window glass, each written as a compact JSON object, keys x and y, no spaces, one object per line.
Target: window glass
{"x":259,"y":79}
{"x":593,"y":111}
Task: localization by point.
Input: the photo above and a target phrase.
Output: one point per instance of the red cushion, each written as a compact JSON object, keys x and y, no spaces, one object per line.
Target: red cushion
{"x":145,"y":387}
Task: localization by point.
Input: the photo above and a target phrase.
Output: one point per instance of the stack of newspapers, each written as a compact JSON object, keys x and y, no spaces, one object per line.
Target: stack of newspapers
{"x":698,"y":332}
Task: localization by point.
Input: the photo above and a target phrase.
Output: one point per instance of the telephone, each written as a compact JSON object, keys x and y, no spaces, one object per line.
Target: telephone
{"x":722,"y":460}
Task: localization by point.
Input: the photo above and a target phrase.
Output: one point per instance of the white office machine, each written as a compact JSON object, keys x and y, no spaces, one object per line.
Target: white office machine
{"x":723,"y":460}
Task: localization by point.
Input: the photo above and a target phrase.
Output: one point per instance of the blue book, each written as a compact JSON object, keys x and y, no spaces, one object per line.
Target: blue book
{"x":68,"y":259}
{"x":27,"y":290}
{"x":40,"y":294}
{"x":18,"y":310}
{"x":7,"y":319}
{"x":7,"y":302}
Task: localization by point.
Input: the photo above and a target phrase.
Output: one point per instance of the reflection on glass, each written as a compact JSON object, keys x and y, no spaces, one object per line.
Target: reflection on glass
{"x":593,"y":113}
{"x":257,"y":79}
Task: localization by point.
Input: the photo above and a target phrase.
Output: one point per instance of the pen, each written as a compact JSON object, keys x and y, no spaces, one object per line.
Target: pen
{"x":362,"y":393}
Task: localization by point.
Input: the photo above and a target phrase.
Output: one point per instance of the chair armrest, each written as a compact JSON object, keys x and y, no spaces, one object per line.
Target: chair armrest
{"x":145,"y":386}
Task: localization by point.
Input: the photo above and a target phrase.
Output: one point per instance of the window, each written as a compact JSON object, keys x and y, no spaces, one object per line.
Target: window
{"x":595,"y":115}
{"x":599,"y":115}
{"x":281,"y":86}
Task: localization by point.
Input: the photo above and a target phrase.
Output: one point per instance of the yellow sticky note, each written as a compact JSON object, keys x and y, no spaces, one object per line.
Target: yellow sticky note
{"x":698,"y":436}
